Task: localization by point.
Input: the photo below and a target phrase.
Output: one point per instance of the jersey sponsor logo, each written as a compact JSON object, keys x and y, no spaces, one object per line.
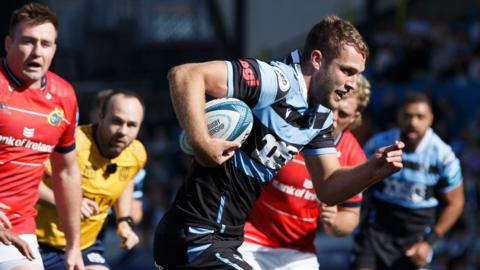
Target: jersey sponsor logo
{"x":405,"y":191}
{"x":308,"y":184}
{"x":55,"y":117}
{"x":302,"y":193}
{"x":248,"y":74}
{"x":28,"y":132}
{"x":283,"y":82}
{"x":339,"y":153}
{"x":26,"y":143}
{"x":274,"y":154}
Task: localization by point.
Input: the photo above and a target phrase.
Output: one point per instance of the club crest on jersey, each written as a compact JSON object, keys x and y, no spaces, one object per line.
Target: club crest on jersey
{"x":55,"y":117}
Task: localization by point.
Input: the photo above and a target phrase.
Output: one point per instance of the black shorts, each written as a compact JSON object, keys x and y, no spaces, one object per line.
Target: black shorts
{"x":179,"y":246}
{"x":54,"y":259}
{"x":375,"y":248}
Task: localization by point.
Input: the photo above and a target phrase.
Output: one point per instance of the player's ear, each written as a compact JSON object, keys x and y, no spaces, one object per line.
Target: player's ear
{"x":8,"y":43}
{"x":316,"y":58}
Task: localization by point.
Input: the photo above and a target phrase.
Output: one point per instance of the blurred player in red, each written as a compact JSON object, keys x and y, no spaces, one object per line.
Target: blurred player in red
{"x":282,"y":225}
{"x":38,"y":112}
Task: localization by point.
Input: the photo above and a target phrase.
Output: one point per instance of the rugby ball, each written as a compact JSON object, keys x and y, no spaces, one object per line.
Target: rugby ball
{"x":227,"y":118}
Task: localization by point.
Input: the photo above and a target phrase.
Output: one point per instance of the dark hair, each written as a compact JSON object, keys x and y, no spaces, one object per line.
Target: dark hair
{"x":112,"y":93}
{"x":415,"y":97}
{"x":330,"y":35}
{"x":35,"y":13}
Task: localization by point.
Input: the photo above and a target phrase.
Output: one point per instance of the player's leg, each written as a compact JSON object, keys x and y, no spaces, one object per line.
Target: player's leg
{"x":12,"y":259}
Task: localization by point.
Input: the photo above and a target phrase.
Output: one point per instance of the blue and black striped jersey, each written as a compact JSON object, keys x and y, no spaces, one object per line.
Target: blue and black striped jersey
{"x":284,"y":124}
{"x":428,"y":171}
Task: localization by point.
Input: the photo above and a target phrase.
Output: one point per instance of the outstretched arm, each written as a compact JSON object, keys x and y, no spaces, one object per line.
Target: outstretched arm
{"x":334,"y":184}
{"x":189,"y":84}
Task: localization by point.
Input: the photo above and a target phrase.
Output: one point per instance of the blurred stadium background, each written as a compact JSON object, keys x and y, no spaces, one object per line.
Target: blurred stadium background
{"x":425,"y":45}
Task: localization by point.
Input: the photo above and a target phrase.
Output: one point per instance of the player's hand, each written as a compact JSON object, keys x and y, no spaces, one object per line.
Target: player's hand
{"x":328,"y":214}
{"x":4,"y":221}
{"x":215,"y":152}
{"x":128,"y":236}
{"x":88,"y":208}
{"x":388,"y":160}
{"x":420,"y":253}
{"x":74,"y":260}
{"x":8,"y":237}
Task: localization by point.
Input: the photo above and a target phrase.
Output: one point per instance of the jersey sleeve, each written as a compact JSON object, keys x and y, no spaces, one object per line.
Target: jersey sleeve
{"x":70,"y":107}
{"x":255,"y":82}
{"x":321,"y":144}
{"x":451,"y":174}
{"x":138,"y":179}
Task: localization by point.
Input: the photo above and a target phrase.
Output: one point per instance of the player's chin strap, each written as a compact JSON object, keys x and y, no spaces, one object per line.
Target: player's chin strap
{"x":17,"y":81}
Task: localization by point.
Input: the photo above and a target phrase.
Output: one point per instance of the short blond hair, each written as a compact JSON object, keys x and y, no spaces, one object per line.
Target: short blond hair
{"x":362,"y":93}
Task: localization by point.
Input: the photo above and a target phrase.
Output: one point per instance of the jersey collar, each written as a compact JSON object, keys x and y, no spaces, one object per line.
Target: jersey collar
{"x":17,"y":81}
{"x":298,"y":68}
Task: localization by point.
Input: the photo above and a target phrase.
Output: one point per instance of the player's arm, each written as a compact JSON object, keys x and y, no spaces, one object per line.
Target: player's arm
{"x":124,"y":221}
{"x":454,"y":201}
{"x":45,"y":195}
{"x":339,"y":221}
{"x":137,"y":202}
{"x":68,"y":194}
{"x":334,"y":184}
{"x":450,"y":212}
{"x":189,"y":83}
{"x":137,"y":211}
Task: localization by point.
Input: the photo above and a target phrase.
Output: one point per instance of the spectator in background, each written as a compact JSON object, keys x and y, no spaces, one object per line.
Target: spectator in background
{"x":280,"y":231}
{"x":402,"y":226}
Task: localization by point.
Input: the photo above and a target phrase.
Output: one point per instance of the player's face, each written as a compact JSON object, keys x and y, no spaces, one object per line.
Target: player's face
{"x":333,"y":80}
{"x":345,"y":114}
{"x":30,"y":51}
{"x":414,"y":120}
{"x":120,"y":125}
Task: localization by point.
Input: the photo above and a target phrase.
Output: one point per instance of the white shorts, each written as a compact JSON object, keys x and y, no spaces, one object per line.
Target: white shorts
{"x":261,"y":258}
{"x":10,"y":256}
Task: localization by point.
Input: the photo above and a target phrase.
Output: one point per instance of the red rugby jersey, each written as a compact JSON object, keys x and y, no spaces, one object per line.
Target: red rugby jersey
{"x":286,"y":214}
{"x":33,"y":124}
